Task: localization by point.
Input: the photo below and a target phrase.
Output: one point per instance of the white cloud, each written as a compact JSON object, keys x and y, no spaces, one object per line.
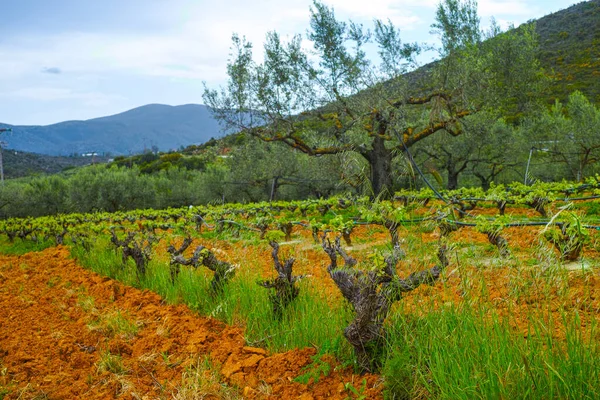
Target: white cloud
{"x":197,"y":47}
{"x":54,"y":94}
{"x":399,"y":12}
{"x":517,"y":8}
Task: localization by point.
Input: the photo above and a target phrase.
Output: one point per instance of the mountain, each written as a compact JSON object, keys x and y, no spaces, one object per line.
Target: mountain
{"x":569,"y":51}
{"x":165,"y":127}
{"x":18,"y":164}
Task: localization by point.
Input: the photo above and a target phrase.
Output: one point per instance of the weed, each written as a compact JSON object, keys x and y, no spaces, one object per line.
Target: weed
{"x":163,"y":330}
{"x":319,"y":365}
{"x":399,"y":374}
{"x":313,"y":371}
{"x":356,"y":394}
{"x":202,"y":380}
{"x":55,"y":280}
{"x":86,"y":303}
{"x":20,"y":247}
{"x":57,"y":335}
{"x":591,"y":208}
{"x":464,"y":354}
{"x":111,"y":363}
{"x":113,"y":324}
{"x":5,"y":385}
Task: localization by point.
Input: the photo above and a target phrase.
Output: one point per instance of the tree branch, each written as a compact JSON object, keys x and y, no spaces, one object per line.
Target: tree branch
{"x":410,"y":137}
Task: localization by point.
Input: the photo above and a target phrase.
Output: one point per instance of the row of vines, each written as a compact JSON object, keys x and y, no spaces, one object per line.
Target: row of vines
{"x":370,"y":291}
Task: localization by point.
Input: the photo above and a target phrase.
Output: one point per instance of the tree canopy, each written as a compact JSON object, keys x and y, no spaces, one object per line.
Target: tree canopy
{"x":568,"y":136}
{"x":333,"y":98}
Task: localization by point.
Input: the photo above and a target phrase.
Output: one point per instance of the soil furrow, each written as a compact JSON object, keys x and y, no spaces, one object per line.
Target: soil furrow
{"x":67,"y":333}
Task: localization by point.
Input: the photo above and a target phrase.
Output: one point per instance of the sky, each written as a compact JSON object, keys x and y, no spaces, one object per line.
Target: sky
{"x":79,"y":59}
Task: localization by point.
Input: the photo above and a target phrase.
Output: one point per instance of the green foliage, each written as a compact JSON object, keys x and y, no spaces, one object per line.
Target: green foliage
{"x":320,"y":365}
{"x":499,"y":76}
{"x":357,"y":393}
{"x":111,"y":363}
{"x":457,"y":24}
{"x":465,"y":354}
{"x":569,"y":50}
{"x":380,"y":212}
{"x":567,"y":136}
{"x":487,"y":358}
{"x":18,"y":164}
{"x":150,"y":162}
{"x":491,"y":225}
{"x":571,"y":236}
{"x":485,"y":149}
{"x":309,"y":320}
{"x":349,"y":103}
{"x":592,"y":209}
{"x":314,"y":371}
{"x":275,"y":236}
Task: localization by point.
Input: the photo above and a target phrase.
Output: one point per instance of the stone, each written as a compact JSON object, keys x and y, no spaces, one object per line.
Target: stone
{"x":234,"y":364}
{"x":255,"y":350}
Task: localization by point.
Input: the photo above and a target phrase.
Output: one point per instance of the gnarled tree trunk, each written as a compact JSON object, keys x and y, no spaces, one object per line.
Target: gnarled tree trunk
{"x":223,"y":271}
{"x":284,"y":284}
{"x":371,"y":294}
{"x":380,"y":163}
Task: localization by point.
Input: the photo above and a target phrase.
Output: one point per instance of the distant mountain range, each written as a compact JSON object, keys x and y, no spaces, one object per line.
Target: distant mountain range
{"x":153,"y":125}
{"x":569,"y":51}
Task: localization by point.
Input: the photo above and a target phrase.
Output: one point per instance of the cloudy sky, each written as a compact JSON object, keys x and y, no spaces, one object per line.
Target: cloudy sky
{"x":79,"y":59}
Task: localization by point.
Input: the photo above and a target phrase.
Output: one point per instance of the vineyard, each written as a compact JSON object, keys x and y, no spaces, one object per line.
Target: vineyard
{"x":459,"y":294}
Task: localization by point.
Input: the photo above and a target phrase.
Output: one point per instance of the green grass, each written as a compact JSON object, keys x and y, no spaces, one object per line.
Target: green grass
{"x":467,"y":354}
{"x":453,"y":353}
{"x":203,"y":380}
{"x":111,"y":363}
{"x":20,"y":247}
{"x":308,"y":321}
{"x":591,"y":208}
{"x":114,"y":324}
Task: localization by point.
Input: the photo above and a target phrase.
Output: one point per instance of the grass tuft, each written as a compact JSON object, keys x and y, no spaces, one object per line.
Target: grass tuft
{"x":202,"y":380}
{"x":112,"y":363}
{"x":114,"y":324}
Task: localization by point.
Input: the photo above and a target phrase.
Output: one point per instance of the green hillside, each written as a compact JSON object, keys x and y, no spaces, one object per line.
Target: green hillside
{"x":18,"y":164}
{"x":570,"y":50}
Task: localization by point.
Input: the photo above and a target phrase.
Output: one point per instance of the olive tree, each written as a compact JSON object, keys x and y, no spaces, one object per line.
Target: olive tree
{"x":333,"y":98}
{"x":568,"y":135}
{"x":486,"y":148}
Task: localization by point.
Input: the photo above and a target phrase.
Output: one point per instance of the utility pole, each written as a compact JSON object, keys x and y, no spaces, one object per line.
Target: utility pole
{"x":1,"y":160}
{"x":528,"y":162}
{"x":273,"y":188}
{"x":527,"y":181}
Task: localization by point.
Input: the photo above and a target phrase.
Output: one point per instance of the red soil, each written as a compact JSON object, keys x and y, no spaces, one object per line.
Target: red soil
{"x":47,"y":348}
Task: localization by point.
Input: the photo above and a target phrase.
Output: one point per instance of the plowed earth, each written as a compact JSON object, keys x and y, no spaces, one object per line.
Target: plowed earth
{"x":61,"y":326}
